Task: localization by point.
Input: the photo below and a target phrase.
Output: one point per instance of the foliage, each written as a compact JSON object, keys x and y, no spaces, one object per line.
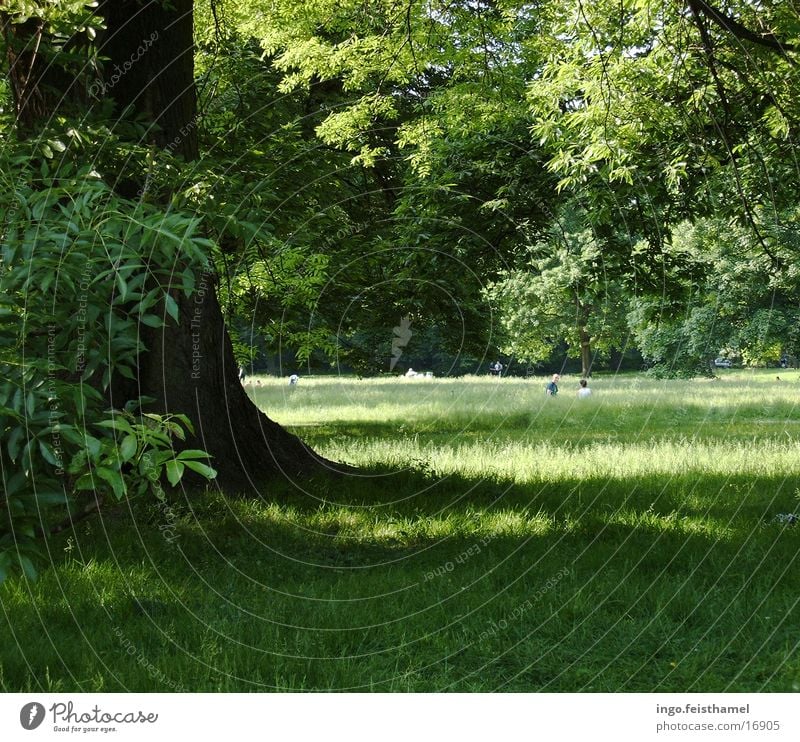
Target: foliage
{"x":406,"y":141}
{"x":731,"y":298}
{"x":295,"y":221}
{"x":81,"y":281}
{"x":481,"y":123}
{"x":568,"y":293}
{"x":664,"y":98}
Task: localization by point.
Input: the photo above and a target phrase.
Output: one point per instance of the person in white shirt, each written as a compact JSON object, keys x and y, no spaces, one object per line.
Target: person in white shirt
{"x":584,"y":390}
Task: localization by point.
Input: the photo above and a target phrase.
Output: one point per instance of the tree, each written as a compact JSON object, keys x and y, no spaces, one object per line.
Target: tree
{"x":146,"y":85}
{"x":568,"y":293}
{"x":658,"y":113}
{"x":433,"y":94}
{"x":729,"y":299}
{"x":683,"y":109}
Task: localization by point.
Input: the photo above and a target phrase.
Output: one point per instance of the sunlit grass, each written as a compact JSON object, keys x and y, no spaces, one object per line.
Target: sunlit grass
{"x":494,"y":539}
{"x":401,"y":395}
{"x":539,"y":462}
{"x":621,"y":405}
{"x":509,"y":429}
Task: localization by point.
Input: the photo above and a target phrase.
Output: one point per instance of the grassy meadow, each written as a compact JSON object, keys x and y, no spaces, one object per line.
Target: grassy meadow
{"x":493,"y":538}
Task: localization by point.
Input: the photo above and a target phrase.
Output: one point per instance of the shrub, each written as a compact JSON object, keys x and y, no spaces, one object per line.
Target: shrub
{"x":82,"y":269}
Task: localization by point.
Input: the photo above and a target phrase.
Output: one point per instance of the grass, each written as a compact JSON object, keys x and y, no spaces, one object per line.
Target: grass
{"x":496,"y":539}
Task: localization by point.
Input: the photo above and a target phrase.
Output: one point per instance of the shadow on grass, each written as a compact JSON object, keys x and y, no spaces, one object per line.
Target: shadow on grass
{"x":420,"y":492}
{"x":393,"y":520}
{"x":406,"y":587}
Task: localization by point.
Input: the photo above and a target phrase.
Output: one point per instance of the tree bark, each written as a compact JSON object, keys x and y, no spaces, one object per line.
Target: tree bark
{"x":38,"y":86}
{"x":190,"y":367}
{"x":26,"y":71}
{"x":586,"y":353}
{"x":742,"y":33}
{"x":187,"y":367}
{"x":150,"y":49}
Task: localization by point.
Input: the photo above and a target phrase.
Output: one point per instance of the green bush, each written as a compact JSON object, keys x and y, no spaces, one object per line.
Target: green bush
{"x":82,"y":269}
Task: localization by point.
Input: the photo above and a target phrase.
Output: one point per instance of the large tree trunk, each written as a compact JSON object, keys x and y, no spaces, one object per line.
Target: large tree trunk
{"x":37,"y":84}
{"x":189,"y":367}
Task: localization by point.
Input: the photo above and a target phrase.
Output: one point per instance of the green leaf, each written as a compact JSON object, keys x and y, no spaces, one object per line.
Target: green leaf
{"x":69,"y":433}
{"x":85,"y":482}
{"x":188,"y":281}
{"x":202,"y":469}
{"x":114,"y":478}
{"x":128,"y":447}
{"x":134,"y":404}
{"x":116,"y":423}
{"x":48,"y":454}
{"x":52,"y":498}
{"x":5,"y":563}
{"x":151,"y":320}
{"x":193,"y":453}
{"x":14,"y":484}
{"x":18,"y":401}
{"x":122,"y":286}
{"x":15,"y":442}
{"x":187,"y":423}
{"x":172,"y":306}
{"x":93,"y":445}
{"x":174,"y":471}
{"x":27,"y":567}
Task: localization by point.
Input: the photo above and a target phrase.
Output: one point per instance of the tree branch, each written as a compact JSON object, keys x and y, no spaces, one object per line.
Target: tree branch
{"x":731,"y":25}
{"x":72,"y":519}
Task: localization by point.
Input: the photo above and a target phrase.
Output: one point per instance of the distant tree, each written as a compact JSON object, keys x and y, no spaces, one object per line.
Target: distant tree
{"x":567,"y":293}
{"x":731,"y":299}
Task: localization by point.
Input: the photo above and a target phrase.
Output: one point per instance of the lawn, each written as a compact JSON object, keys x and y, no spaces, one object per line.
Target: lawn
{"x":494,"y":539}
